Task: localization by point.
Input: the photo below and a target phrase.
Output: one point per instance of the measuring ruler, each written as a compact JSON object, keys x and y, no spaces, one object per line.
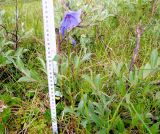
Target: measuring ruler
{"x":50,"y":46}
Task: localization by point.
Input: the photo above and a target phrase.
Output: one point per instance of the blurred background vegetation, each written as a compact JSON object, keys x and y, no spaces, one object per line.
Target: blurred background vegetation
{"x":92,"y":96}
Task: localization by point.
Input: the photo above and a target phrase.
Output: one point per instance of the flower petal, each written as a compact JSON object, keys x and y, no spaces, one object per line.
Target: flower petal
{"x":70,"y":20}
{"x":76,"y":15}
{"x":73,"y":41}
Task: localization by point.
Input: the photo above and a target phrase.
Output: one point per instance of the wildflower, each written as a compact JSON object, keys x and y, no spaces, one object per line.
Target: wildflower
{"x":73,"y":41}
{"x":70,"y":20}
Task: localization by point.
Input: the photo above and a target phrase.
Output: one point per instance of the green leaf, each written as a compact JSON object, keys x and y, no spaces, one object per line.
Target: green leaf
{"x":140,"y":3}
{"x":19,"y":65}
{"x":56,"y":58}
{"x":82,"y":103}
{"x":27,"y":34}
{"x":84,"y":123}
{"x":154,"y":58}
{"x":158,"y":61}
{"x":5,"y":115}
{"x":86,"y":57}
{"x":26,"y":79}
{"x":102,"y":131}
{"x":20,"y":51}
{"x":155,"y":128}
{"x":2,"y":130}
{"x":76,"y":62}
{"x":3,"y":60}
{"x":97,"y":81}
{"x":128,"y":98}
{"x":157,"y":95}
{"x":117,"y":68}
{"x":9,"y":53}
{"x":121,"y":87}
{"x":120,"y":125}
{"x":43,"y":64}
{"x":133,"y":77}
{"x":135,"y":120}
{"x":69,"y":110}
{"x":89,"y":80}
{"x":96,"y":119}
{"x":47,"y":115}
{"x":35,"y":75}
{"x":147,"y":70}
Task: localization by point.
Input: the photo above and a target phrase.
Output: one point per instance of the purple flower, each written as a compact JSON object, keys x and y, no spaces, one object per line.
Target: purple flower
{"x":70,"y":20}
{"x":73,"y":41}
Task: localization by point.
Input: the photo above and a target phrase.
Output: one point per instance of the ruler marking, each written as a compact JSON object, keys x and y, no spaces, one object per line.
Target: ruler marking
{"x":50,"y":45}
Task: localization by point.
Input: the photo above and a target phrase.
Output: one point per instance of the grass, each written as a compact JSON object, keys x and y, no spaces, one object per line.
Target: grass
{"x":92,"y":75}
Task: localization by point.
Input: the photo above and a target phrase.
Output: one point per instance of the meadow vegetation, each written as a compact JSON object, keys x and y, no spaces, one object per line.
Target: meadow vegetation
{"x":99,"y":93}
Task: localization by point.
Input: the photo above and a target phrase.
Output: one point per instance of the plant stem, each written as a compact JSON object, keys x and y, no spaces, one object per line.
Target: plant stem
{"x":139,"y":32}
{"x":16,"y":29}
{"x":147,"y":128}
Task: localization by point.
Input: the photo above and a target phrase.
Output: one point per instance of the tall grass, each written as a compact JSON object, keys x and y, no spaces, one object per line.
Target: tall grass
{"x":92,"y":75}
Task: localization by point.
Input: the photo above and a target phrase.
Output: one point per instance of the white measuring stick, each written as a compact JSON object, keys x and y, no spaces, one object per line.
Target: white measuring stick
{"x":50,"y":46}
